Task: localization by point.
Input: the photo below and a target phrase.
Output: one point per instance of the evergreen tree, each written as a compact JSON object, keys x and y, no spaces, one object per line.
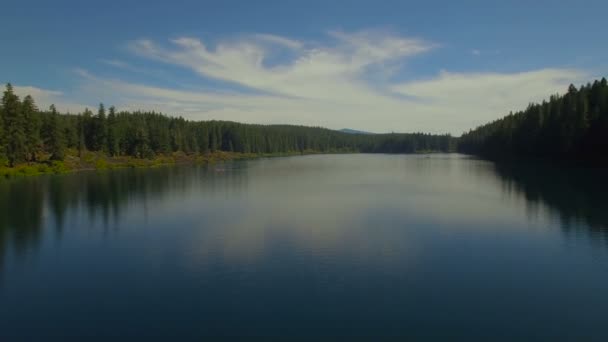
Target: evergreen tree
{"x":144,"y":134}
{"x":571,"y":127}
{"x":88,"y":125}
{"x":14,"y":124}
{"x":112,"y":139}
{"x":81,"y":140}
{"x":2,"y":136}
{"x":55,"y":142}
{"x":141,"y":148}
{"x":32,"y":128}
{"x":100,"y":132}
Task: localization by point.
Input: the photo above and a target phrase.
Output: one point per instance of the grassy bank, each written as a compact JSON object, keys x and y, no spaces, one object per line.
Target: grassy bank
{"x":101,"y":161}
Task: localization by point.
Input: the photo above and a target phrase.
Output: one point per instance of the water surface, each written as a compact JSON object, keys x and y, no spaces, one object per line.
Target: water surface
{"x":317,"y":246}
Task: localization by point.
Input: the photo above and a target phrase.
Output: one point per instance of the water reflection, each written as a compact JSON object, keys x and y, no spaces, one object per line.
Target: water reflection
{"x":27,"y":203}
{"x":22,"y":214}
{"x":576,"y":196}
{"x":337,"y":244}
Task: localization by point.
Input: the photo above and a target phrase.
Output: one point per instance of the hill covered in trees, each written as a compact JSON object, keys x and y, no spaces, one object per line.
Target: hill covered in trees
{"x":353,"y":131}
{"x":30,"y":135}
{"x":571,"y":127}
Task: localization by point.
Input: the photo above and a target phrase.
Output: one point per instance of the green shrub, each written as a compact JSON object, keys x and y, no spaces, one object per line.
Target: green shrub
{"x":101,"y":164}
{"x":59,"y":167}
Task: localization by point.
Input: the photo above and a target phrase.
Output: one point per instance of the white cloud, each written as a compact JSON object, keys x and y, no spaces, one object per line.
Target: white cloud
{"x":317,"y":71}
{"x":475,"y":52}
{"x":451,"y":102}
{"x":475,"y":98}
{"x":324,"y":84}
{"x":44,"y":98}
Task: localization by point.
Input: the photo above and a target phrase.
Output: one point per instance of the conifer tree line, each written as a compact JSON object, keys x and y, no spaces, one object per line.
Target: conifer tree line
{"x":30,"y":134}
{"x":571,"y":127}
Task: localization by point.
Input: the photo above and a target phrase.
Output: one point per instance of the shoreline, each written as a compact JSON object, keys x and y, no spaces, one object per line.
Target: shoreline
{"x":98,"y":161}
{"x":95,"y":161}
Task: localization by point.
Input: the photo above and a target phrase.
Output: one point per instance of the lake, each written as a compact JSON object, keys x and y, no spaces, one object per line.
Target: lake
{"x":422,"y":246}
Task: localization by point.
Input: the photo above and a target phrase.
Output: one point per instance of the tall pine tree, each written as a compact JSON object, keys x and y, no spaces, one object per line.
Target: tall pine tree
{"x":32,"y":128}
{"x":14,"y":124}
{"x":100,"y":130}
{"x":112,"y":133}
{"x":81,"y":141}
{"x":2,"y":137}
{"x":55,"y":143}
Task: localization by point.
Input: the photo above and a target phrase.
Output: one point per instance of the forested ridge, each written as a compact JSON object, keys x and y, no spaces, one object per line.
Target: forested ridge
{"x":572,"y":127}
{"x":29,"y":135}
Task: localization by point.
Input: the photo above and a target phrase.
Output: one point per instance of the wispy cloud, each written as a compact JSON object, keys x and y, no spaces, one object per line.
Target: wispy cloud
{"x":471,"y":99}
{"x":344,"y":81}
{"x":317,"y":71}
{"x":45,"y":97}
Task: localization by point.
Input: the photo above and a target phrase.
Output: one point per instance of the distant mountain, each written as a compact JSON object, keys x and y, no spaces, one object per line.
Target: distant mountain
{"x":353,"y":131}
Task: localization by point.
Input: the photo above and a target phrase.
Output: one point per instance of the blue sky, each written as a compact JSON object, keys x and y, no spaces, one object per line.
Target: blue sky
{"x":435,"y":66}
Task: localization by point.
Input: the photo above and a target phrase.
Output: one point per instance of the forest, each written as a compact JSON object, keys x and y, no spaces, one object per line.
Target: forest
{"x":32,"y":135}
{"x":572,"y":127}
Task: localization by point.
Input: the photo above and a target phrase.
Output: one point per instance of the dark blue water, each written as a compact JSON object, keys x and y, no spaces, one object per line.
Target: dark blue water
{"x":427,"y":247}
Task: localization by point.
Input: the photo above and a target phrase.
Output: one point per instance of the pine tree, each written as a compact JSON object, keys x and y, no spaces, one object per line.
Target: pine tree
{"x":212,"y":140}
{"x":112,"y":133}
{"x":143,"y":134}
{"x":101,"y":130}
{"x":81,"y":141}
{"x":141,"y":148}
{"x":2,"y":136}
{"x":56,"y":144}
{"x":32,"y":128}
{"x":569,"y":127}
{"x":14,"y":124}
{"x":88,"y":125}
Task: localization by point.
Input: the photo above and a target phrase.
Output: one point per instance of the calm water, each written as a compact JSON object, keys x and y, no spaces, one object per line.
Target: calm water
{"x":332,"y":245}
